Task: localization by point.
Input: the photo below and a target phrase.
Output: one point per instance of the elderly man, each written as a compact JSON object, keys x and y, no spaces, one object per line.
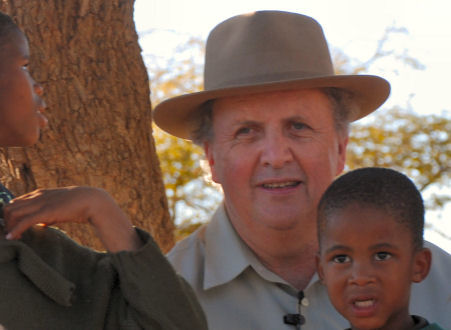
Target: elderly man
{"x":273,"y":121}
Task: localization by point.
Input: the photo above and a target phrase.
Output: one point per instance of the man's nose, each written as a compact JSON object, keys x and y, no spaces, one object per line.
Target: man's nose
{"x":276,"y":150}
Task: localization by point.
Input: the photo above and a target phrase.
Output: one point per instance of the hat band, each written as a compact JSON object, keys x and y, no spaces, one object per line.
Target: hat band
{"x":267,"y":78}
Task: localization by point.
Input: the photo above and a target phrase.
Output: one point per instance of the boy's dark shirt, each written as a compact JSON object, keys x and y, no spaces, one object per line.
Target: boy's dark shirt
{"x":5,"y":198}
{"x":421,"y":323}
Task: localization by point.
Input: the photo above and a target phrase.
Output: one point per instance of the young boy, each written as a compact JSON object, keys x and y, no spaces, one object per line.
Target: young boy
{"x":370,"y":232}
{"x":47,"y":281}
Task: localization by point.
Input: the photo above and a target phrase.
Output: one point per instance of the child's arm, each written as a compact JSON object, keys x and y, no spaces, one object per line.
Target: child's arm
{"x":73,"y":204}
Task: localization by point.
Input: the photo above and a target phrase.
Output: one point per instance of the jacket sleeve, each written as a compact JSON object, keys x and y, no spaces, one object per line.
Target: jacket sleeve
{"x":155,"y":297}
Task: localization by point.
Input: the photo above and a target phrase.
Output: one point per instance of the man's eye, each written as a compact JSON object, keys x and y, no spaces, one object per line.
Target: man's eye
{"x":25,"y":67}
{"x":381,"y":256}
{"x":243,"y":131}
{"x":341,"y":258}
{"x":298,"y":126}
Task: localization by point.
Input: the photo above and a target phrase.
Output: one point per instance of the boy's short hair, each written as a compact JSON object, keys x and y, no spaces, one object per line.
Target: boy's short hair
{"x":383,"y":188}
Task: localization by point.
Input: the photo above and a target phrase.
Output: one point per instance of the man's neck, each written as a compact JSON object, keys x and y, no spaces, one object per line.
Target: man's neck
{"x":297,"y":269}
{"x":289,"y":254}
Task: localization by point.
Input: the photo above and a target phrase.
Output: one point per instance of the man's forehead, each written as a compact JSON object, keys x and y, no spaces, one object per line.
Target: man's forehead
{"x":292,"y":103}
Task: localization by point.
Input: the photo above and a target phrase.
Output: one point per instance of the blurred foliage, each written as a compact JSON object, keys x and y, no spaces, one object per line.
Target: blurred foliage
{"x":181,"y":73}
{"x":419,"y":146}
{"x":192,"y":197}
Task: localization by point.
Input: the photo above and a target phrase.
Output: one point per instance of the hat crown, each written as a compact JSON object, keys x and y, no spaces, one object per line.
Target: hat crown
{"x":261,"y":52}
{"x":264,"y":47}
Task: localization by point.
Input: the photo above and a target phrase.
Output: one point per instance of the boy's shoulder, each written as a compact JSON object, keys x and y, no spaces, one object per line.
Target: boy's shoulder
{"x":433,"y":326}
{"x":422,"y":324}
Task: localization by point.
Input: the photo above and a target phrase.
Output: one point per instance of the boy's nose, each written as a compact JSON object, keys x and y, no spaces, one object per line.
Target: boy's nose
{"x":38,"y":89}
{"x":361,"y":275}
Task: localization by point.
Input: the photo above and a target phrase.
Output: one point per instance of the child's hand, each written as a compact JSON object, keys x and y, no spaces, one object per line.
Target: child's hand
{"x":72,"y":204}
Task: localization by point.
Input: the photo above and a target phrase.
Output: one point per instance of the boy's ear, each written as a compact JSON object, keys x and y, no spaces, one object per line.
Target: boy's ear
{"x":422,"y":264}
{"x":319,"y":267}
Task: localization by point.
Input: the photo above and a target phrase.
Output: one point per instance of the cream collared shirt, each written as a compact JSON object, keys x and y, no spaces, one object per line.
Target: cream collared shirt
{"x":237,"y":292}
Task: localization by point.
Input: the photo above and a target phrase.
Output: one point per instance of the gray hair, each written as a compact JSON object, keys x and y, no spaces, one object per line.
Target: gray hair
{"x":342,"y":101}
{"x":344,"y":107}
{"x":203,"y":130}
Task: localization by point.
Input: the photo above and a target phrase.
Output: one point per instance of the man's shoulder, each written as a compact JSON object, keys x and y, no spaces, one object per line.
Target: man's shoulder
{"x":431,"y":298}
{"x":440,"y":267}
{"x":188,"y":254}
{"x":190,"y":243}
{"x":441,"y":260}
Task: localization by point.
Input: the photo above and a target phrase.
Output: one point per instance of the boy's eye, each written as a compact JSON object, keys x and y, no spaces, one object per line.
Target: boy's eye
{"x":381,"y":256}
{"x":341,"y":258}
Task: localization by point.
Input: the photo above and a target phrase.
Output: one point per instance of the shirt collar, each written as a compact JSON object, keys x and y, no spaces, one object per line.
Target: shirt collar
{"x":227,"y":256}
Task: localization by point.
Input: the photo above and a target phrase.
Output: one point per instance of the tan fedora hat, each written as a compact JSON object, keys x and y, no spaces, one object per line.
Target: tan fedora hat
{"x":266,"y":51}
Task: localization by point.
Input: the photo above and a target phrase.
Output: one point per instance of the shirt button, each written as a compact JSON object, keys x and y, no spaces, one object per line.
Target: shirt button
{"x":305,"y":302}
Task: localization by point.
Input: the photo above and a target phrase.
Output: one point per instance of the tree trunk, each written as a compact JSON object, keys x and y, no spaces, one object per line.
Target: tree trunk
{"x":86,"y":55}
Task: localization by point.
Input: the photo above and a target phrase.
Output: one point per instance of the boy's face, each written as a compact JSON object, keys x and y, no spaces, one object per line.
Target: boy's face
{"x":367,"y":262}
{"x":20,"y":96}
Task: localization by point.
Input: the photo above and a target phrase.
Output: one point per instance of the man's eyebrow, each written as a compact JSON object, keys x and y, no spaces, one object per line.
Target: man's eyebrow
{"x":256,"y":121}
{"x":296,"y":117}
{"x":239,"y":122}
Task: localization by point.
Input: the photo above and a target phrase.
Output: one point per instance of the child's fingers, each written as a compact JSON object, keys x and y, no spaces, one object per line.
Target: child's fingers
{"x":44,"y":207}
{"x":16,"y":211}
{"x":20,"y":225}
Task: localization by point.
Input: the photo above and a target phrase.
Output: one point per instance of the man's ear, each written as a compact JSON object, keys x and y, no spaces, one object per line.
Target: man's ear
{"x":210,"y":159}
{"x":343,"y":139}
{"x":421,"y":265}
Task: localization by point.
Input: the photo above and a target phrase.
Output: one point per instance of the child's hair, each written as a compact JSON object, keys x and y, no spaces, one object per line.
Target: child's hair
{"x":383,"y":188}
{"x":7,"y":25}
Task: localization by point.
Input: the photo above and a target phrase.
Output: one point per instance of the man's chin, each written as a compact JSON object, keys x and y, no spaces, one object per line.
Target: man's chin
{"x":277,"y":221}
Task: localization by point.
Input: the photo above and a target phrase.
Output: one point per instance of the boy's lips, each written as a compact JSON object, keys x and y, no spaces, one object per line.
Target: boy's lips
{"x":363,"y":306}
{"x":364,"y":303}
{"x":42,"y":119}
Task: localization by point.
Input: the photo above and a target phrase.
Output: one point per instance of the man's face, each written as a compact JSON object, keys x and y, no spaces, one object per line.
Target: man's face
{"x":368,"y":262}
{"x":274,"y":155}
{"x":20,"y":101}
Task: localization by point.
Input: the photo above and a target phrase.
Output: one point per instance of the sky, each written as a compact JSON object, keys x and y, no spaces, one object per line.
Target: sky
{"x":354,"y":27}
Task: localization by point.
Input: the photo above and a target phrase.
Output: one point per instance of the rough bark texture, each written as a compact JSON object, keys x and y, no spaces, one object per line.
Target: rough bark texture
{"x":86,"y":55}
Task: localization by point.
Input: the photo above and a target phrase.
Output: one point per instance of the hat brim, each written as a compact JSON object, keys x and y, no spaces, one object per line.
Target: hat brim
{"x":177,"y":115}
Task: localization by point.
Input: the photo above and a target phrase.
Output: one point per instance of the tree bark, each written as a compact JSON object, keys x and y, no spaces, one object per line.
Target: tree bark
{"x":86,"y":55}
